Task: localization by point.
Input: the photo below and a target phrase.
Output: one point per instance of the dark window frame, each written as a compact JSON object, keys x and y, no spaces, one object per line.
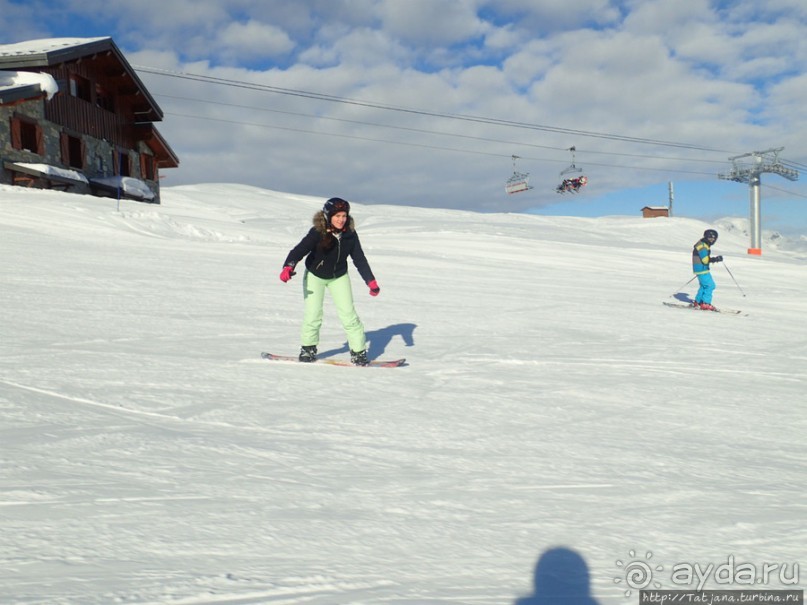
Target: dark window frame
{"x":80,"y":87}
{"x":27,"y":135}
{"x":73,"y":151}
{"x":123,"y":164}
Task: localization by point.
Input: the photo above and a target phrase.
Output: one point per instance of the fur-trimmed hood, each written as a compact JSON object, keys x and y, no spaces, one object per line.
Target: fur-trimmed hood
{"x":321,"y":224}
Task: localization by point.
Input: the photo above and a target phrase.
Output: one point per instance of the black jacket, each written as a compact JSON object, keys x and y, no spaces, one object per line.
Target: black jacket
{"x":326,"y":254}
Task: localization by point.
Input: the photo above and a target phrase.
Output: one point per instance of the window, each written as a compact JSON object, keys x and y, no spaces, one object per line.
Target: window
{"x":123,"y":163}
{"x":147,"y":167}
{"x":80,"y":87}
{"x":103,"y":99}
{"x":72,"y":151}
{"x":26,"y":135}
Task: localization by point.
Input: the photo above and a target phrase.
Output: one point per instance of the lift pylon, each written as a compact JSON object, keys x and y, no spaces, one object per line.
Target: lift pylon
{"x":761,"y":162}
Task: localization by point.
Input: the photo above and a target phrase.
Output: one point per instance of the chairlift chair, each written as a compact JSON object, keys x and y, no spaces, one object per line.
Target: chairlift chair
{"x":520,"y":181}
{"x":571,"y":168}
{"x":517,"y":183}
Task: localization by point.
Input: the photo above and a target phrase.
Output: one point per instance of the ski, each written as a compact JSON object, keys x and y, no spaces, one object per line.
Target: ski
{"x":682,"y":305}
{"x":376,"y":363}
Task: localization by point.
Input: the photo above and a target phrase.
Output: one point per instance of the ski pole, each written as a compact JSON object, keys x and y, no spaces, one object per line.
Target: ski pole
{"x":735,"y":281}
{"x":684,"y":285}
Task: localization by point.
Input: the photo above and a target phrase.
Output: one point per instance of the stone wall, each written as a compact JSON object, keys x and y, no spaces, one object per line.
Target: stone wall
{"x":99,"y":155}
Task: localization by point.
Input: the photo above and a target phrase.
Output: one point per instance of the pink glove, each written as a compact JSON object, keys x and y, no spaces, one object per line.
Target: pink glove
{"x":286,"y":274}
{"x":374,"y":288}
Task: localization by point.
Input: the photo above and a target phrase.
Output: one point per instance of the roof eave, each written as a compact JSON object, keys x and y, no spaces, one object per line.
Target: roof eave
{"x":16,"y":94}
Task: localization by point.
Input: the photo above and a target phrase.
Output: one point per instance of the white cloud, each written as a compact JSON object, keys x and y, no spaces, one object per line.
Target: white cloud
{"x":355,"y":47}
{"x":431,"y":23}
{"x":253,"y":40}
{"x":502,"y":38}
{"x":752,"y":11}
{"x":664,"y":17}
{"x":547,"y":18}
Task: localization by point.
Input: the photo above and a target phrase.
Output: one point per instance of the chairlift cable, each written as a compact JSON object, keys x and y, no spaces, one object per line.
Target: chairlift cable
{"x":463,"y":117}
{"x":431,"y":132}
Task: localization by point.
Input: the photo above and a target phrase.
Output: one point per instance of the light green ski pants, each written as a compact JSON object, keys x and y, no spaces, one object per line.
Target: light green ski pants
{"x":342,"y":294}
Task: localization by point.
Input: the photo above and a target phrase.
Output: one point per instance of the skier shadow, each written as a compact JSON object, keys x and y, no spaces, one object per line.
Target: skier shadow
{"x":683,"y":297}
{"x":561,"y":576}
{"x":379,"y":339}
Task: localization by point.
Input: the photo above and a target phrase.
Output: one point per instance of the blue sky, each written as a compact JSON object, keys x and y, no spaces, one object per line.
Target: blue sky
{"x":424,"y":102}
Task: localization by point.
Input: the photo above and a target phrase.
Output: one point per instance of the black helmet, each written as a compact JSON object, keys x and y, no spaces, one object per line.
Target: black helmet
{"x":710,"y":235}
{"x":334,"y":205}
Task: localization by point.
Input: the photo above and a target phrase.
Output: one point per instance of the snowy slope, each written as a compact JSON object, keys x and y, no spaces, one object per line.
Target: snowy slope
{"x":552,"y":412}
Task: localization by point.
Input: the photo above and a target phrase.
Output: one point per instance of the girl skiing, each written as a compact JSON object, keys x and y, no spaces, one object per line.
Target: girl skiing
{"x":326,"y":248}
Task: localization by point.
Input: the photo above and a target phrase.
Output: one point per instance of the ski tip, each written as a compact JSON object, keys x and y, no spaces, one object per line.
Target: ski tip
{"x":715,"y":310}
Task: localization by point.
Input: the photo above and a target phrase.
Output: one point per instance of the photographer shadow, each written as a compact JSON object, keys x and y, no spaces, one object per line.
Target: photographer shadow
{"x":561,"y":578}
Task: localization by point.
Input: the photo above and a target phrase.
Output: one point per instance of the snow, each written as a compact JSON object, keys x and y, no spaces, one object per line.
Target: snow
{"x":44,"y":45}
{"x":47,"y":169}
{"x":553,"y":415}
{"x":132,"y":186}
{"x":13,"y":79}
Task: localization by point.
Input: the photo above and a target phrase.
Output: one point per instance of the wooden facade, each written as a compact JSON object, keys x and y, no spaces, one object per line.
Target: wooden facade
{"x":655,"y":211}
{"x":100,"y":123}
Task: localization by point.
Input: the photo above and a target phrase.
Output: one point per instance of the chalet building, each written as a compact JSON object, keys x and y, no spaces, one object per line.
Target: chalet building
{"x":655,"y":211}
{"x":75,"y":116}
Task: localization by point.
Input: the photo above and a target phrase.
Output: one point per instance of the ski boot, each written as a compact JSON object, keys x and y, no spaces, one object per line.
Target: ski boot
{"x":707,"y":307}
{"x":308,"y":353}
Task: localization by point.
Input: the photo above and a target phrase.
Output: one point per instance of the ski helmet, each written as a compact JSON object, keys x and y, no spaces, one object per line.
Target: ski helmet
{"x":334,"y":205}
{"x":710,"y":235}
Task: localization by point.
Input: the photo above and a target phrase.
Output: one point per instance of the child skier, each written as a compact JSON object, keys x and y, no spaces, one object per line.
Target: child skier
{"x":701,"y":262}
{"x":326,"y":248}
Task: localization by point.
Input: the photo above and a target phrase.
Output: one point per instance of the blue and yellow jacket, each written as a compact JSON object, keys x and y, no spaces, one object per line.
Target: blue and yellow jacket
{"x":700,"y":257}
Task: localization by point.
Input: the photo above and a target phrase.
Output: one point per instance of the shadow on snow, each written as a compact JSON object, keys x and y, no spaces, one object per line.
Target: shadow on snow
{"x":379,"y":340}
{"x":561,"y":576}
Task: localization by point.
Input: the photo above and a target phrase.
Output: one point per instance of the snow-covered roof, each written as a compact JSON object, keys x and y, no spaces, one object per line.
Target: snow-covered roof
{"x":126,"y":184}
{"x":44,"y":46}
{"x":48,"y":171}
{"x":50,"y":52}
{"x":20,"y":80}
